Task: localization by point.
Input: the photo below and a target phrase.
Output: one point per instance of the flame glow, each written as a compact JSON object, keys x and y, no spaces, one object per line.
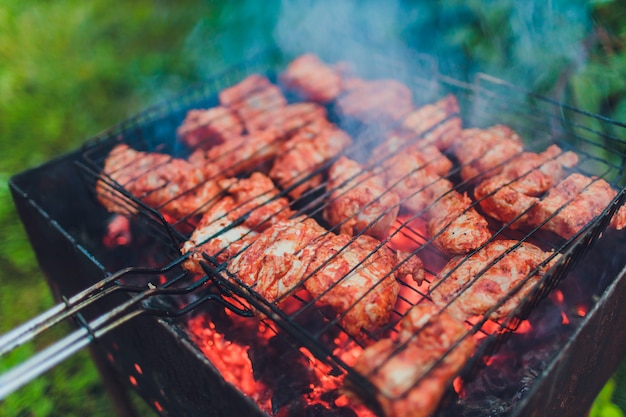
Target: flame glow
{"x":234,"y":360}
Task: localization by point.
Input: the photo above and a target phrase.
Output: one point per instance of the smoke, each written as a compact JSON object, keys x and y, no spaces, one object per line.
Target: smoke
{"x":528,"y":43}
{"x":333,"y":25}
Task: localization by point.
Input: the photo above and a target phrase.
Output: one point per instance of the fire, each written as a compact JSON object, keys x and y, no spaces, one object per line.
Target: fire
{"x":408,"y":237}
{"x":559,"y":299}
{"x":524,"y":327}
{"x":558,"y":296}
{"x":457,"y":384}
{"x":237,"y":359}
{"x":231,"y":359}
{"x":118,"y":232}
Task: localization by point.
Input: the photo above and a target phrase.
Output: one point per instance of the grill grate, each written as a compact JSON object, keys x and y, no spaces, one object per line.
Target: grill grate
{"x":541,"y":122}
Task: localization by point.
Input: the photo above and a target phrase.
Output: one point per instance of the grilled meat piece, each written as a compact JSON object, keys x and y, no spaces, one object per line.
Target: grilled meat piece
{"x":206,"y":128}
{"x":573,"y":204}
{"x":253,"y":100}
{"x":173,"y":186}
{"x":250,"y":206}
{"x":300,"y":158}
{"x":415,"y":180}
{"x":374,"y":101}
{"x":239,"y":155}
{"x":404,"y":141}
{"x":273,"y":264}
{"x":218,"y":234}
{"x":257,"y":150}
{"x":510,"y":194}
{"x":359,"y":201}
{"x":413,"y":372}
{"x":311,"y":79}
{"x":484,"y":152}
{"x":257,"y":200}
{"x":286,"y":121}
{"x":471,"y":286}
{"x":441,"y":118}
{"x":455,"y":226}
{"x":356,"y":278}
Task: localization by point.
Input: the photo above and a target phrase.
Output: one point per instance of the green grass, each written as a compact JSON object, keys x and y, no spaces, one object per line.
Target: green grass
{"x":71,"y":68}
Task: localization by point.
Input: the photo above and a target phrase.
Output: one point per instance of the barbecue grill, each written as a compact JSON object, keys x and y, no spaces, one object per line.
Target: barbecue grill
{"x":157,"y":324}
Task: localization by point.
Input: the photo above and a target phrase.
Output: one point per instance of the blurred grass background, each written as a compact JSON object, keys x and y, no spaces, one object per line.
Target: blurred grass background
{"x":69,"y":69}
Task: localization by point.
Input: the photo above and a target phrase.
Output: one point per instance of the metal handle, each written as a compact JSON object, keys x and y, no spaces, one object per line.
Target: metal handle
{"x":62,"y":349}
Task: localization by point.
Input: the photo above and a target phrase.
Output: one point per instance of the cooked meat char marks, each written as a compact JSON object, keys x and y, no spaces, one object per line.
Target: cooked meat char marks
{"x":254,"y":99}
{"x":272,"y":264}
{"x":376,"y":101}
{"x":256,"y":151}
{"x":206,"y":128}
{"x":574,"y":203}
{"x":413,"y":372}
{"x":239,"y":155}
{"x":456,"y":227}
{"x":509,"y":195}
{"x":250,"y":206}
{"x":311,"y":79}
{"x":401,"y":141}
{"x":306,"y":153}
{"x":413,"y":178}
{"x":440,"y":120}
{"x":356,"y":278}
{"x":471,"y":286}
{"x":286,"y":121}
{"x":359,"y":201}
{"x":483,"y":152}
{"x":173,"y":186}
{"x":453,"y":223}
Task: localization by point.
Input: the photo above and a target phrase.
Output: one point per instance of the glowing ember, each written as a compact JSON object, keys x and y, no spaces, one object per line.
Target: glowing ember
{"x":557,"y":296}
{"x":118,"y":232}
{"x":408,"y":237}
{"x":581,"y":310}
{"x":250,"y":350}
{"x":231,"y":359}
{"x":524,"y":327}
{"x":564,"y":318}
{"x":457,"y":384}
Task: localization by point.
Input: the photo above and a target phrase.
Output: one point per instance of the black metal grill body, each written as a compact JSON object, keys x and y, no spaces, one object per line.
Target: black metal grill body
{"x":67,"y":226}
